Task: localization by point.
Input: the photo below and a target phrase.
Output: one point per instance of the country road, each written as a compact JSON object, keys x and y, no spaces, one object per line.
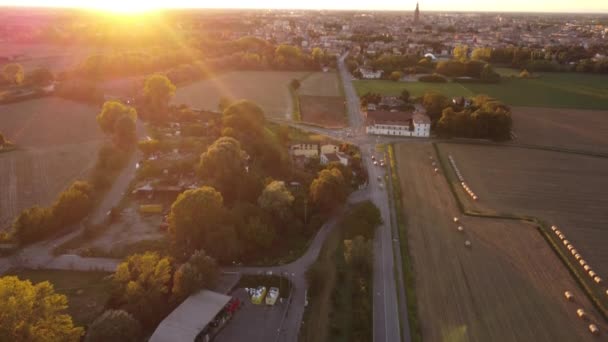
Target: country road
{"x":389,"y":306}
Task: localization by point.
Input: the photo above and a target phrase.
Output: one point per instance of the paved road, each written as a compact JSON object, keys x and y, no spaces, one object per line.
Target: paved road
{"x":387,"y":303}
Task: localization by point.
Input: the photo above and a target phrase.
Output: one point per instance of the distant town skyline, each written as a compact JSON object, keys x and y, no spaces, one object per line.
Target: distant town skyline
{"x":556,"y":6}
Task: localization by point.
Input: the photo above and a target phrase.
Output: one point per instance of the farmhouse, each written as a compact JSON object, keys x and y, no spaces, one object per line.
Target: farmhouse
{"x":370,"y":74}
{"x":337,"y":157}
{"x":304,"y":149}
{"x":397,"y":123}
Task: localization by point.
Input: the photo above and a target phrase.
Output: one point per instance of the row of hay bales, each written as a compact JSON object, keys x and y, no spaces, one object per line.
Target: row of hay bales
{"x":575,"y":253}
{"x":435,"y":168}
{"x":582,"y":314}
{"x":460,"y":229}
{"x":596,"y":278}
{"x":461,"y":179}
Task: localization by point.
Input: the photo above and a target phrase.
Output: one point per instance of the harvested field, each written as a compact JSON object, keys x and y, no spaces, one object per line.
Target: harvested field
{"x":328,"y":111}
{"x":509,"y":286}
{"x":584,"y":130}
{"x":266,"y":88}
{"x":35,"y":177}
{"x":321,"y":84}
{"x":49,"y":122}
{"x":564,"y":189}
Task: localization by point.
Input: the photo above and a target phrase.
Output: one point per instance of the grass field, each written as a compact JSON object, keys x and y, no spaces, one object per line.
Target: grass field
{"x":87,"y":292}
{"x":556,"y":90}
{"x":321,"y":84}
{"x":507,"y":287}
{"x":327,"y":111}
{"x":58,"y":142}
{"x":584,"y":130}
{"x":266,"y":88}
{"x":563,"y":189}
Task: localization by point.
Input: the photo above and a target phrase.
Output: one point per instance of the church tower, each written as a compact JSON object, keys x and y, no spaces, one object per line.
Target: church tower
{"x":417,"y":15}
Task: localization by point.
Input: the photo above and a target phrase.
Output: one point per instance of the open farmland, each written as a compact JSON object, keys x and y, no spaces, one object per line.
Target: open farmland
{"x":553,"y":90}
{"x":327,"y":111}
{"x":266,"y":88}
{"x":583,"y":130}
{"x":49,"y":122}
{"x":321,"y":84}
{"x":507,"y":287}
{"x":58,"y":142}
{"x":563,"y":189}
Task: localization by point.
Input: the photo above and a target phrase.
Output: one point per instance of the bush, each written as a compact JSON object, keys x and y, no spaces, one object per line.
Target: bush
{"x":114,"y":325}
{"x":434,"y":78}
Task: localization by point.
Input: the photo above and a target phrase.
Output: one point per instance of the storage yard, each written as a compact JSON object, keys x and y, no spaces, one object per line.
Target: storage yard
{"x":506,"y":285}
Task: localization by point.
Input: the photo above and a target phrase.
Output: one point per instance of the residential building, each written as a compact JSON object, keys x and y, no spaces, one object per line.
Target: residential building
{"x":337,"y":157}
{"x":398,"y":123}
{"x":304,"y":149}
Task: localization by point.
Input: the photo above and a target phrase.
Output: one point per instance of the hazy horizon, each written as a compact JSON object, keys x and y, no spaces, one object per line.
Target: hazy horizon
{"x":515,"y":6}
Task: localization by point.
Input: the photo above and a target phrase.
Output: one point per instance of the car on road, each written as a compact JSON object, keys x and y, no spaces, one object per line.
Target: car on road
{"x":271,"y":297}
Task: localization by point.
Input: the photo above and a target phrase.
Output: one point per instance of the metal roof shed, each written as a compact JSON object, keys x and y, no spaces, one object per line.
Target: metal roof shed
{"x":190,"y":318}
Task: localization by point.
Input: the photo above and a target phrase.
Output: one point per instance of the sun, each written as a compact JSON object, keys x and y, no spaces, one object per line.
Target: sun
{"x":127,"y":7}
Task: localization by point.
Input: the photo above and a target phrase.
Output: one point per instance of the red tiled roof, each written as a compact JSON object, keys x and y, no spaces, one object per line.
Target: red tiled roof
{"x":386,"y":117}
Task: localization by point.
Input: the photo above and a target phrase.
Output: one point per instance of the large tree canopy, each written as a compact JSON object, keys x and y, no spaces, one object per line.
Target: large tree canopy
{"x":328,"y":190}
{"x":158,"y":91}
{"x":114,"y":325}
{"x":141,"y":283}
{"x":13,"y":73}
{"x":194,"y":216}
{"x":223,"y":165}
{"x":111,"y":113}
{"x":200,"y":272}
{"x":34,"y":313}
{"x":276,"y":200}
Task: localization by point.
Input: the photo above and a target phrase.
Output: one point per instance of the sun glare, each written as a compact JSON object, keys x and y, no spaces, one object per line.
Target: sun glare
{"x":125,"y":6}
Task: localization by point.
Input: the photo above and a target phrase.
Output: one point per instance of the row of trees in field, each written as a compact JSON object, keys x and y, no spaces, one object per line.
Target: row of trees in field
{"x":553,"y":58}
{"x":485,"y":117}
{"x":14,"y":74}
{"x":351,"y":297}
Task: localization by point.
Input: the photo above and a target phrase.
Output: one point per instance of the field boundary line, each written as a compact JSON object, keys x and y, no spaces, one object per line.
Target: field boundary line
{"x":541,"y":227}
{"x":409,"y":274}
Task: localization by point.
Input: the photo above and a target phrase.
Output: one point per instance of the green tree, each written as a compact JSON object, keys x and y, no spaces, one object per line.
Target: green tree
{"x":461,"y":52}
{"x":124,"y":131}
{"x":13,"y":73}
{"x":405,"y":95}
{"x":149,"y":146}
{"x":111,"y":112}
{"x":114,"y":325}
{"x":360,"y":257}
{"x":200,"y":272}
{"x":328,"y":190}
{"x":257,"y":235}
{"x":32,"y":223}
{"x":223,"y":164}
{"x":194,"y":215}
{"x":73,"y":204}
{"x":317,"y":55}
{"x":481,"y":53}
{"x":141,"y":283}
{"x":40,"y":77}
{"x":34,"y":313}
{"x":158,"y":91}
{"x":395,"y":76}
{"x":434,"y":103}
{"x":295,"y":84}
{"x":277,"y":200}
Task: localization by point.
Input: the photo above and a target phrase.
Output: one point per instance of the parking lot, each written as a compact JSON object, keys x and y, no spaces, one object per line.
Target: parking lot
{"x":253,"y":322}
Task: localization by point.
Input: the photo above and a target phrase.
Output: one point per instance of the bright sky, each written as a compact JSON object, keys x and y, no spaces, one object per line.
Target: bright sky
{"x":431,"y":5}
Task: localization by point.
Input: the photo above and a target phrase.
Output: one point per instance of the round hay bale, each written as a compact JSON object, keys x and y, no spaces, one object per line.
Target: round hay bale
{"x":460,"y":228}
{"x":593,"y":329}
{"x":553,"y":228}
{"x":577,"y":256}
{"x":560,"y":236}
{"x":598,"y":280}
{"x":582,"y":262}
{"x":566,"y":242}
{"x":456,"y":219}
{"x":568,"y":295}
{"x":574,"y":251}
{"x":467,"y":244}
{"x":570,"y":247}
{"x":592,"y":274}
{"x":586,"y":267}
{"x":581,"y":313}
{"x":475,"y":197}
